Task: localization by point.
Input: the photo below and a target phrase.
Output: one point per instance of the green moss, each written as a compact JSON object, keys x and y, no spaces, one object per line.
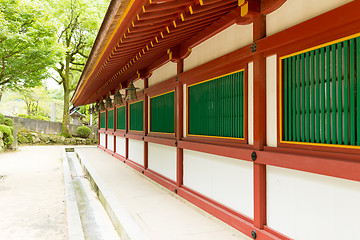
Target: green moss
{"x":8,"y":122}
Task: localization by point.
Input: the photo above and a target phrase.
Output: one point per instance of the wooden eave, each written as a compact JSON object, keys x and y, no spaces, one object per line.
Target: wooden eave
{"x":137,"y":36}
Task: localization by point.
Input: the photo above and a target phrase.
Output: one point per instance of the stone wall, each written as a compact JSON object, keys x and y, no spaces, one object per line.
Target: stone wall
{"x":47,"y":127}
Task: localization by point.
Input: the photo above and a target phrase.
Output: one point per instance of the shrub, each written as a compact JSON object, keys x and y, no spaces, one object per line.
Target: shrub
{"x":8,"y":137}
{"x":8,"y":122}
{"x":2,"y":119}
{"x":83,"y":131}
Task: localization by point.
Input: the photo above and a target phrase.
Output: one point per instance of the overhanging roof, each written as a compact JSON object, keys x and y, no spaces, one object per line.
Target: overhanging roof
{"x":137,"y":36}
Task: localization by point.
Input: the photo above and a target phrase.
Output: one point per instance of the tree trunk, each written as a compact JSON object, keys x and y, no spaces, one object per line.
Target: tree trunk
{"x":65,"y":122}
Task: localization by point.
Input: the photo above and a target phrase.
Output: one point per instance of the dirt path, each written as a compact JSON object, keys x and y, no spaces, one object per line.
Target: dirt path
{"x":32,"y":194}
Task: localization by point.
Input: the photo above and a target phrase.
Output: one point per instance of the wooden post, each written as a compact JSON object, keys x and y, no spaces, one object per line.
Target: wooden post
{"x":179,"y":101}
{"x":146,"y":122}
{"x":259,"y":32}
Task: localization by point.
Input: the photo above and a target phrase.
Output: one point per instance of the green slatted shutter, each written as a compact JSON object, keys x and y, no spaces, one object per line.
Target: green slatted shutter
{"x":216,"y":107}
{"x":136,"y":116}
{"x":120,"y":118}
{"x":320,"y":99}
{"x":162,"y":113}
{"x":111,"y":119}
{"x":103,"y":120}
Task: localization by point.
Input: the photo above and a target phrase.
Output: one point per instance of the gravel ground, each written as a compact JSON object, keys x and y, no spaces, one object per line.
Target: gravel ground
{"x":32,"y":194}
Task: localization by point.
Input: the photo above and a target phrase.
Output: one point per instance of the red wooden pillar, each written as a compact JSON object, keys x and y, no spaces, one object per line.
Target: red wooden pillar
{"x":126,"y":128}
{"x":106,"y":127}
{"x":146,"y":122}
{"x":259,"y":170}
{"x":179,"y":101}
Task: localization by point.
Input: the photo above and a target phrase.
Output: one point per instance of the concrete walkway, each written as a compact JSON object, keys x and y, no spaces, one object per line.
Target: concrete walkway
{"x":144,"y":210}
{"x":32,"y":194}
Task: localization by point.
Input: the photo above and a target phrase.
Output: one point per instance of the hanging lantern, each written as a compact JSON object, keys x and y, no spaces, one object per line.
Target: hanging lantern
{"x":108,"y":102}
{"x":91,"y":110}
{"x":118,"y":98}
{"x":101,"y":105}
{"x":131,"y":92}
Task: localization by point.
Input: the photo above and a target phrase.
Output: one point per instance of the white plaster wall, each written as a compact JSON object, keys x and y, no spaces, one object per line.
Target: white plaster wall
{"x":162,"y":159}
{"x":250,"y":103}
{"x":110,"y":142}
{"x":139,"y":84}
{"x":226,"y":180}
{"x":230,"y":39}
{"x":136,"y":151}
{"x":102,"y":139}
{"x":293,"y":12}
{"x":163,"y":73}
{"x":185,"y":111}
{"x":307,"y":206}
{"x":120,"y":146}
{"x":271,"y":109}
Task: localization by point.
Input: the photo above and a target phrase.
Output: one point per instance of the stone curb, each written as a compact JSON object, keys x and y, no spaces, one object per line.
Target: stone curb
{"x":124,"y":223}
{"x":73,"y":214}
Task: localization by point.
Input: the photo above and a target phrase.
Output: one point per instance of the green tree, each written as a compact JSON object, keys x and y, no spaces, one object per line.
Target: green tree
{"x":27,"y":43}
{"x":78,"y":23}
{"x":34,"y":99}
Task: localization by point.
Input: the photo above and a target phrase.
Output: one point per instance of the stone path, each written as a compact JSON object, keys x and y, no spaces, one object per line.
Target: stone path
{"x":32,"y":194}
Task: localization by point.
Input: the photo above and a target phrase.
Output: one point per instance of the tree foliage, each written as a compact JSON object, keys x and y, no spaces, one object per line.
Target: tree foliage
{"x":77,"y":22}
{"x":27,"y":43}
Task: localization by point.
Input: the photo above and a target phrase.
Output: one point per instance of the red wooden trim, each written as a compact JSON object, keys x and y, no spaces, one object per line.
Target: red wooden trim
{"x":276,"y":233}
{"x":162,"y":135}
{"x":217,"y":140}
{"x":109,"y":151}
{"x":324,"y":149}
{"x":110,"y":132}
{"x":146,"y":122}
{"x":325,"y":166}
{"x":162,"y":141}
{"x":259,"y":32}
{"x":259,"y":195}
{"x":314,"y":29}
{"x":101,"y":147}
{"x":348,"y":155}
{"x":101,"y":130}
{"x":120,"y":133}
{"x":179,"y":167}
{"x":268,"y":6}
{"x":161,"y":179}
{"x":225,"y":151}
{"x":134,"y":165}
{"x":162,"y":87}
{"x":135,"y":136}
{"x":118,"y":156}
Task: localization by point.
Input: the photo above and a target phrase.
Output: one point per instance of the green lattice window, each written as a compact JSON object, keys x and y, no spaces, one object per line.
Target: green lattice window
{"x":111,"y":119}
{"x":136,"y":116}
{"x":120,"y":118}
{"x":103,"y":120}
{"x":216,"y":107}
{"x":162,"y":113}
{"x":319,"y":99}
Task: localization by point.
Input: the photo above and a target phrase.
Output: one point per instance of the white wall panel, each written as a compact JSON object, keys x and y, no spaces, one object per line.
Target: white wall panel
{"x":163,"y":73}
{"x":230,"y":39}
{"x":185,"y":111}
{"x":136,"y":151}
{"x":308,"y":206}
{"x":250,"y":103}
{"x":271,"y":97}
{"x":226,"y":180}
{"x":102,"y":139}
{"x":162,"y":159}
{"x":110,"y":142}
{"x":120,"y":146}
{"x":293,"y":12}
